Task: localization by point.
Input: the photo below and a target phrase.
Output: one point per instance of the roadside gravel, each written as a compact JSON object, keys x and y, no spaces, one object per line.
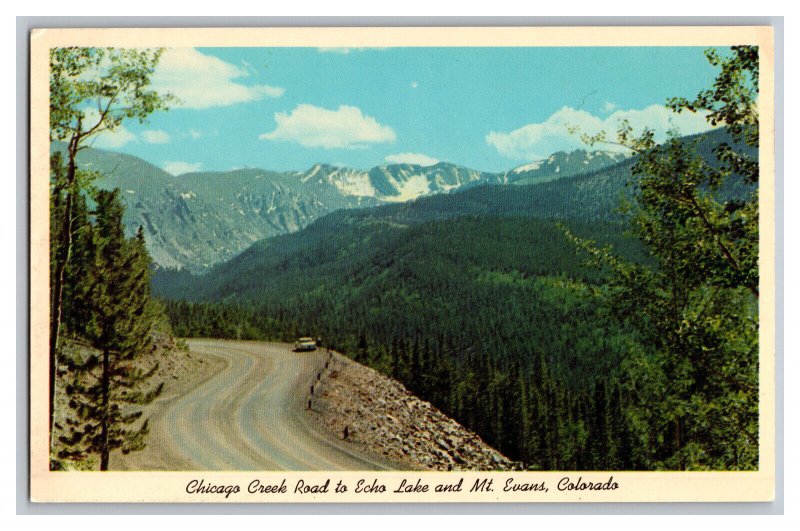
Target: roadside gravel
{"x":381,"y":415}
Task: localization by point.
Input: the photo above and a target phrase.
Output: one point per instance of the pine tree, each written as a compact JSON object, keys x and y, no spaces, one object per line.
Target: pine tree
{"x":361,"y":352}
{"x":92,"y":90}
{"x":105,"y":388}
{"x":77,"y":286}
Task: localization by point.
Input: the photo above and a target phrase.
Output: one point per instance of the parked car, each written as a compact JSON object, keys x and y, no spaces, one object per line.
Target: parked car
{"x":305,"y":344}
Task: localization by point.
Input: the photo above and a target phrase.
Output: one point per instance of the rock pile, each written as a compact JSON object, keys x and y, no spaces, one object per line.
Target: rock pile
{"x":381,"y":415}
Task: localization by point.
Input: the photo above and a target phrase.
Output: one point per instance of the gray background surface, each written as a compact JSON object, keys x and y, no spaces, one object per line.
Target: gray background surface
{"x":23,"y":504}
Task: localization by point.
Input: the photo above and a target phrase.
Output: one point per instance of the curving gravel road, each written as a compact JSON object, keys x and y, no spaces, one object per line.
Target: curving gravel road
{"x":250,"y":416}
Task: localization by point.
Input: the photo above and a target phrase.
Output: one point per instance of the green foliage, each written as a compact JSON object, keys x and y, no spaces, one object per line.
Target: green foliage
{"x":96,"y":89}
{"x":234,"y":321}
{"x":693,"y":380}
{"x":733,"y":100}
{"x":92,"y":90}
{"x":103,"y":388}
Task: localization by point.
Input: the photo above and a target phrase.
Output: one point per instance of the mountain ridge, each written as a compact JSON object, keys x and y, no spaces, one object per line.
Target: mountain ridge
{"x":198,"y":219}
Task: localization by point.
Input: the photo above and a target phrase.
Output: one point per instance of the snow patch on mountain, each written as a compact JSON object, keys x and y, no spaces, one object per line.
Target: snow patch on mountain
{"x":314,"y":170}
{"x":352,"y":182}
{"x":533,"y":166}
{"x":442,"y":186}
{"x":413,"y":187}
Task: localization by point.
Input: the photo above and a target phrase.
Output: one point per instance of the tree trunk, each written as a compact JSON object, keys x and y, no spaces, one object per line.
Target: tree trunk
{"x":679,"y":442}
{"x":104,"y":421}
{"x":63,"y":253}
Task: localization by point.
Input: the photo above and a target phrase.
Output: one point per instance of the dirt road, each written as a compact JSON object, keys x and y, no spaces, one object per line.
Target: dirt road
{"x":249,"y":416}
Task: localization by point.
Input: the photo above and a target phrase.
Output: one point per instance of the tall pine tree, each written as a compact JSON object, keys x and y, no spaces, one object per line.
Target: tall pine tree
{"x":105,"y":388}
{"x":92,"y":90}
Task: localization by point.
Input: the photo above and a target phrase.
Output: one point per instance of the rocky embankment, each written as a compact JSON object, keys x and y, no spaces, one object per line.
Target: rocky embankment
{"x":361,"y":405}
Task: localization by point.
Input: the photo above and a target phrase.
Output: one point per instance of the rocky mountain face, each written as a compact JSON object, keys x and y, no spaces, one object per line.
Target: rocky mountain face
{"x":561,"y":164}
{"x":196,"y":220}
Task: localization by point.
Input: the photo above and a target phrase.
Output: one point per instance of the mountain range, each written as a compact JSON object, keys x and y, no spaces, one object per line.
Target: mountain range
{"x":196,"y":220}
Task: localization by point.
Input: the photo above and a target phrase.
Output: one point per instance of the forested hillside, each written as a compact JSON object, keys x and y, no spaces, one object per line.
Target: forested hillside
{"x":474,"y":314}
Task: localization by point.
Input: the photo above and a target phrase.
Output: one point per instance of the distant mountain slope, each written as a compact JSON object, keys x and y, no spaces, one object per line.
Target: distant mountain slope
{"x":591,"y":197}
{"x":348,"y":247}
{"x":196,"y":220}
{"x":561,"y":164}
{"x":396,"y":182}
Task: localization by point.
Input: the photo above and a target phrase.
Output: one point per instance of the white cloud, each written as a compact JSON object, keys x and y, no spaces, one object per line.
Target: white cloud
{"x":411,"y":158}
{"x":539,"y":140}
{"x":179,"y":167}
{"x":201,"y":81}
{"x":113,"y":139}
{"x":195,"y":134}
{"x":312,"y":126}
{"x":155,"y":136}
{"x":340,"y":51}
{"x":609,"y":106}
{"x":414,"y":84}
{"x":346,"y":51}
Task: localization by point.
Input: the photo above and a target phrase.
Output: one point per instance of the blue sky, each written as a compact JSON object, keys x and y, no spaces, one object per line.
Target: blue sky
{"x":484,"y":108}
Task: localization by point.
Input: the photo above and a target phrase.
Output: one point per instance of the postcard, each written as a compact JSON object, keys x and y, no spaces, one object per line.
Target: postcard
{"x":373,"y":265}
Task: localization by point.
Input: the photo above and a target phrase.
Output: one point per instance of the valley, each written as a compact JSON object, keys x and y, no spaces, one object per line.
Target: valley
{"x":197,"y":220}
{"x":422,"y":290}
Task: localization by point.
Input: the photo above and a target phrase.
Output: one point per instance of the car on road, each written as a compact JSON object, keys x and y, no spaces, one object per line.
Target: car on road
{"x":305,"y":344}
